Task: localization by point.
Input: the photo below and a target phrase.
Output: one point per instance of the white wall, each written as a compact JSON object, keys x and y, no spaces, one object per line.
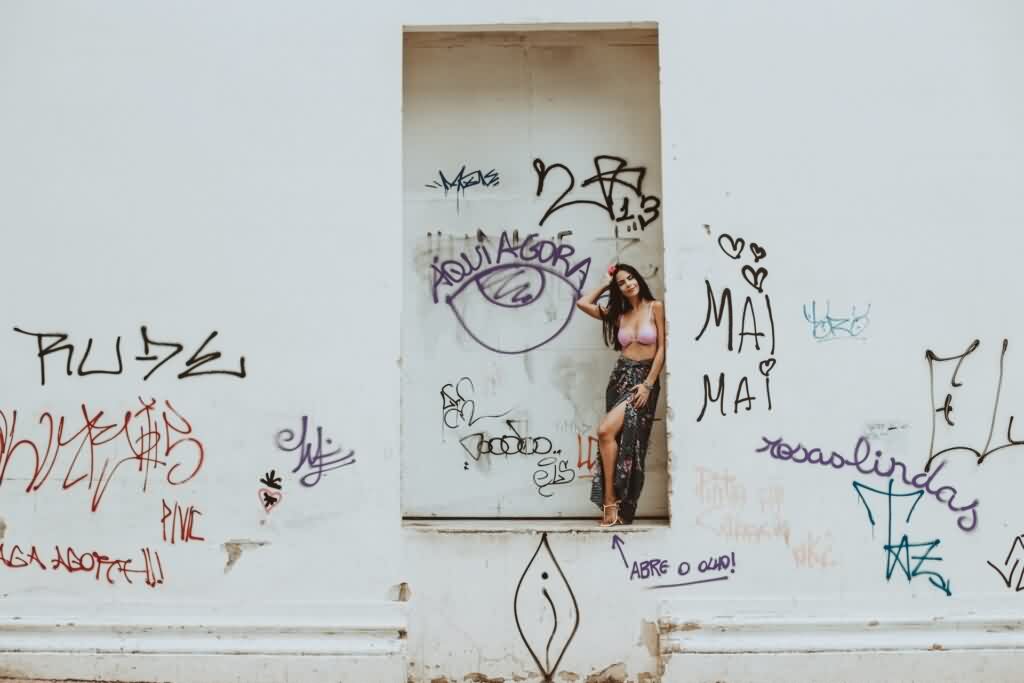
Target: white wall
{"x":193,"y":169}
{"x":236,"y":168}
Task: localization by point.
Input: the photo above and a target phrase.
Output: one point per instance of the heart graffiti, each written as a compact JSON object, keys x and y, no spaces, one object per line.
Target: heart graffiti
{"x":269,"y":498}
{"x":735,"y":248}
{"x":755,"y":278}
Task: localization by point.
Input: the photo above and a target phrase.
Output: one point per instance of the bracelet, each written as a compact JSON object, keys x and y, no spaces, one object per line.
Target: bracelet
{"x":649,"y":387}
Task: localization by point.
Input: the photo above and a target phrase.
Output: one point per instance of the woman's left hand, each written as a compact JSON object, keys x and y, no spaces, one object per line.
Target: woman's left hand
{"x":640,"y":395}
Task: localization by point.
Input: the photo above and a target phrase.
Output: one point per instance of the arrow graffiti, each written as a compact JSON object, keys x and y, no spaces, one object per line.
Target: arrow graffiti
{"x":617,"y":544}
{"x":1018,"y":544}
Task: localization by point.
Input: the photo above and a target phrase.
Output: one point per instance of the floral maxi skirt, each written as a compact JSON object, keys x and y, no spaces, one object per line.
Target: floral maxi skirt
{"x":632,"y":439}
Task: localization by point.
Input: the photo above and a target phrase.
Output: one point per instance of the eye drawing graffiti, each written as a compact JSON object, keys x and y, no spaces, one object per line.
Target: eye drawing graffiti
{"x":516,"y":302}
{"x":542,"y":594}
{"x":512,"y":286}
{"x":538,"y":304}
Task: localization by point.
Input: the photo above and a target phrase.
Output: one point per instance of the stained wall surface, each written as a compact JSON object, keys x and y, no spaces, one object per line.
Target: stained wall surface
{"x":502,"y":378}
{"x":215,"y":228}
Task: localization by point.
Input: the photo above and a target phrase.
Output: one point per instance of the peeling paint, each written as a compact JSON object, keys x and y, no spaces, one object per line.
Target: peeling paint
{"x":688,"y":626}
{"x":569,"y":676}
{"x":936,"y":647}
{"x":647,"y":677}
{"x":440,"y":679}
{"x":649,"y":637}
{"x":234,"y":550}
{"x":477,"y":677}
{"x":400,"y":592}
{"x":616,"y":673}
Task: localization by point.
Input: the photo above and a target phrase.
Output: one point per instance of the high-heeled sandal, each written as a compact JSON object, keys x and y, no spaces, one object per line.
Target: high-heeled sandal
{"x":615,"y":520}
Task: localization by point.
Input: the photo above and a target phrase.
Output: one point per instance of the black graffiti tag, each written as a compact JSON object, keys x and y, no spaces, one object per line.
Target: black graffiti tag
{"x":613,"y":173}
{"x":458,"y":408}
{"x":510,"y":444}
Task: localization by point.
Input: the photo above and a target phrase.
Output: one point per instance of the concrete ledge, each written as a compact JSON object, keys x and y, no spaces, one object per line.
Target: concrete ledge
{"x":975,"y":666}
{"x":687,"y":627}
{"x":788,"y":641}
{"x":135,"y":668}
{"x":204,"y":643}
{"x":494,"y":526}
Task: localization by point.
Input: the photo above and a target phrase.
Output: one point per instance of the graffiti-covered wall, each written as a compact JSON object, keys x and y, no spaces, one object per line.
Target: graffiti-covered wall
{"x":292,"y":387}
{"x":531,"y":162}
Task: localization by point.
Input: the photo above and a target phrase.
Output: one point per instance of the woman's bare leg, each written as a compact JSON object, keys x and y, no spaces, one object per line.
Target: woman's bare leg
{"x":607,"y":432}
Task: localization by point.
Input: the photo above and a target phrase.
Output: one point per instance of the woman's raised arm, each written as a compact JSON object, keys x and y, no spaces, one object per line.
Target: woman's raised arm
{"x":588,"y":302}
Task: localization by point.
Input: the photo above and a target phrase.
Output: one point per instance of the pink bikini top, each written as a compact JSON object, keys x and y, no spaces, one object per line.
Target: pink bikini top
{"x":647,"y":334}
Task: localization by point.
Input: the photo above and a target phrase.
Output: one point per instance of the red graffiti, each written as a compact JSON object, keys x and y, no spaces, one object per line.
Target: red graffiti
{"x":93,"y":563}
{"x":589,"y":462}
{"x":182,"y":522}
{"x":16,"y":558}
{"x":89,"y":448}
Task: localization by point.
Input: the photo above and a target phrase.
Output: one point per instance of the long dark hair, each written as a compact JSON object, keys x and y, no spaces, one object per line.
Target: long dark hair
{"x":618,"y":305}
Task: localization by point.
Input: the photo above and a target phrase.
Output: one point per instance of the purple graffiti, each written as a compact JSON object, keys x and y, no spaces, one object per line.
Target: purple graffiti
{"x":658,"y":566}
{"x":533,"y":282}
{"x":780,"y":450}
{"x":318,"y":462}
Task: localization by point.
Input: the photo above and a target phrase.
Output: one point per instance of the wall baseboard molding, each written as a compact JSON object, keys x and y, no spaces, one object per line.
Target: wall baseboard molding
{"x":835,"y":641}
{"x":138,"y":668}
{"x":964,"y":666}
{"x":206,"y":643}
{"x":735,"y":635}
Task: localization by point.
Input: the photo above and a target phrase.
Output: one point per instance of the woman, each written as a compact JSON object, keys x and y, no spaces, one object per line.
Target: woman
{"x":634,"y":323}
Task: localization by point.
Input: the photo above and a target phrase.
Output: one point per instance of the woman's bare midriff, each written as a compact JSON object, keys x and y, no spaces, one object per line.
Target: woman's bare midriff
{"x":637,"y":351}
